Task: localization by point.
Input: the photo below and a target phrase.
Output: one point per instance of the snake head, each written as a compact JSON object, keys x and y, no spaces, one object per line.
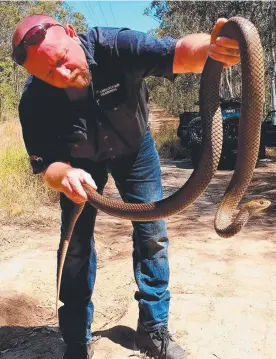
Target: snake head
{"x":258,"y":205}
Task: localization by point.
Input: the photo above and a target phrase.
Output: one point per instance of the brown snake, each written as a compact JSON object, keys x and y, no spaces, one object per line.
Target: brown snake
{"x":253,"y":96}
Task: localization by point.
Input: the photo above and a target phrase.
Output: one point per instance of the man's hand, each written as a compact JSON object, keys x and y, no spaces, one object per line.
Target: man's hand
{"x":192,"y":50}
{"x":223,"y":49}
{"x":62,"y":177}
{"x":71,"y":184}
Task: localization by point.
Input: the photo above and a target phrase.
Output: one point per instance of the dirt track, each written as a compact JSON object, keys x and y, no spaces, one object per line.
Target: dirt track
{"x":223,"y":302}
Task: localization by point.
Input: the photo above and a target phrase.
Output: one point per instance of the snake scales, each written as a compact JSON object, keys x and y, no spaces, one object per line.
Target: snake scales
{"x":252,"y":65}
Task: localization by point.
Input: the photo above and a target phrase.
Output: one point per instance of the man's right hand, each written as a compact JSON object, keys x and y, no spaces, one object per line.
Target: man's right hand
{"x":62,"y":177}
{"x":71,"y":184}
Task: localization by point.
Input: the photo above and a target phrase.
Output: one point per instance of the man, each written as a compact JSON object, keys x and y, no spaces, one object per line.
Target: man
{"x":84,"y":112}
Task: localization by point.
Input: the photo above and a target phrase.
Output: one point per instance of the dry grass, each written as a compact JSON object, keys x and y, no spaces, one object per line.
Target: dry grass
{"x":20,"y":190}
{"x":167,"y":142}
{"x":271,"y":152}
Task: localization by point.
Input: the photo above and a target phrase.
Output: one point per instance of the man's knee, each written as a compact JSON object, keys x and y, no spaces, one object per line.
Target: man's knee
{"x":152,"y":237}
{"x":156,"y":230}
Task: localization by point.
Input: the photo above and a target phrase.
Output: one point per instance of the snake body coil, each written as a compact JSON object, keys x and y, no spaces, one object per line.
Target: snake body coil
{"x":248,"y":146}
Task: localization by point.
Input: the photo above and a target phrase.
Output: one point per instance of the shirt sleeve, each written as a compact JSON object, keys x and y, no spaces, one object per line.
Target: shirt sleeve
{"x":150,"y":55}
{"x":39,"y":134}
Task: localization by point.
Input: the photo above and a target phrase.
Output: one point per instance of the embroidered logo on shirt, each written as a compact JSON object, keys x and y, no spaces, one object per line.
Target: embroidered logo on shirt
{"x":109,"y":89}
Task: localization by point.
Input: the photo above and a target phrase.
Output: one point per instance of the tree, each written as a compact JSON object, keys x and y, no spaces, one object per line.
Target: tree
{"x":178,"y":18}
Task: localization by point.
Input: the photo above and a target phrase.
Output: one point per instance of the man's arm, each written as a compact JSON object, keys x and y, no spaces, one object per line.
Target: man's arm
{"x":191,"y":51}
{"x":62,"y":177}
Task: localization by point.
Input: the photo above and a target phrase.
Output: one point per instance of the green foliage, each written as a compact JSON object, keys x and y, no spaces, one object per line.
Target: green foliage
{"x":179,"y":18}
{"x":177,"y":96}
{"x":8,"y":98}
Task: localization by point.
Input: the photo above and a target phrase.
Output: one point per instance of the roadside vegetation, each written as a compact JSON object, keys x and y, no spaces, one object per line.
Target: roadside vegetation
{"x":20,"y":191}
{"x":167,"y":142}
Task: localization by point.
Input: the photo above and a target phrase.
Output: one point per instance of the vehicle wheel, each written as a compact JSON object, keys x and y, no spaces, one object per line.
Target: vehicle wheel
{"x":195,"y":156}
{"x":195,"y":131}
{"x":227,"y":162}
{"x":262,"y":153}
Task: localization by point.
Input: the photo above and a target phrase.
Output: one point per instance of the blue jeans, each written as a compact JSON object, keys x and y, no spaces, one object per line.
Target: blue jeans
{"x":138,"y":179}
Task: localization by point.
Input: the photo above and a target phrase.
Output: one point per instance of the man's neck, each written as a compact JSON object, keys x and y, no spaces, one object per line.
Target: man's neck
{"x":76,"y":94}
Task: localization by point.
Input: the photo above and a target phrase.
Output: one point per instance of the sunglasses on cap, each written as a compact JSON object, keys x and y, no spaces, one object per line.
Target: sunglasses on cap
{"x":33,"y":37}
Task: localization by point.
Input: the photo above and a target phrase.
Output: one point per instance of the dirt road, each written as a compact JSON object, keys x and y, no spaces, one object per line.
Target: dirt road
{"x":223,"y":303}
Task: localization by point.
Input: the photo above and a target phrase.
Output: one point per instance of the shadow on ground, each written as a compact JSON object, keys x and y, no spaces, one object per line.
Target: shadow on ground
{"x":120,"y":334}
{"x":30,"y":342}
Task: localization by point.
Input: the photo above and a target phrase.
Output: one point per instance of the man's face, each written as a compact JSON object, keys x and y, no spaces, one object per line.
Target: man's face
{"x":59,"y":60}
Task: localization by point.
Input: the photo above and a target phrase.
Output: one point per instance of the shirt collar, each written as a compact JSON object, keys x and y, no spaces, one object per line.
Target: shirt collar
{"x":88,"y":46}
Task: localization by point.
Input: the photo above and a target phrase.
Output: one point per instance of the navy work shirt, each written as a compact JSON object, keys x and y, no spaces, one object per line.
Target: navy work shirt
{"x":112,"y":121}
